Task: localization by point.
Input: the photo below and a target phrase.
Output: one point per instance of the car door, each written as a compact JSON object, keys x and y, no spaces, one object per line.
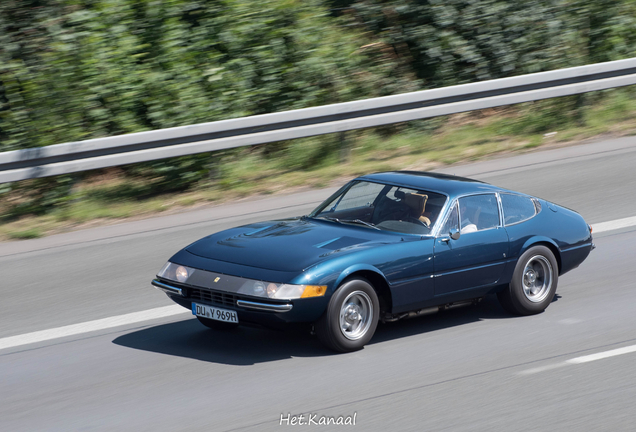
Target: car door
{"x":477,"y":258}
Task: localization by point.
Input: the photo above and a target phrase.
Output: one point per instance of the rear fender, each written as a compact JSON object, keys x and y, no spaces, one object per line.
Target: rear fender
{"x":546,"y":241}
{"x":537,"y":239}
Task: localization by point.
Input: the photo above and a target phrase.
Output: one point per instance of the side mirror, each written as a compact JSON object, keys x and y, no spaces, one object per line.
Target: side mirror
{"x":454,"y":233}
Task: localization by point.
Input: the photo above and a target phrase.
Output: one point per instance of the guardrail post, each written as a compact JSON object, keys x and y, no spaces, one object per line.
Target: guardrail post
{"x":345,"y":149}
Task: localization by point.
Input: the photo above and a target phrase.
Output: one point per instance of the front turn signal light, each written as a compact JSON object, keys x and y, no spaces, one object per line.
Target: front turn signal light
{"x":314,"y":291}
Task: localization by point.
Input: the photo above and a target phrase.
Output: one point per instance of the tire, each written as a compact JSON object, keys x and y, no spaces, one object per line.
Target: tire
{"x":217,"y":325}
{"x":534,"y":283}
{"x":351,"y":317}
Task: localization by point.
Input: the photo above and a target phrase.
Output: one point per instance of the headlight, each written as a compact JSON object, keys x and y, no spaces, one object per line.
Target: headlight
{"x":181,"y":273}
{"x":281,"y":291}
{"x":175,"y":272}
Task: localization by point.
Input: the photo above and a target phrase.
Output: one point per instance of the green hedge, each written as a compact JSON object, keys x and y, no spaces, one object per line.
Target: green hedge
{"x":71,"y":70}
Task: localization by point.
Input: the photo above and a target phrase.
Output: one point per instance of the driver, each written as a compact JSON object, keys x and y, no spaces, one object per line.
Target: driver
{"x":467,"y":215}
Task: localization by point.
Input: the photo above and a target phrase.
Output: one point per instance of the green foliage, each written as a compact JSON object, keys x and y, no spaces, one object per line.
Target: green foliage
{"x":40,"y":195}
{"x":448,"y":42}
{"x":77,"y":69}
{"x":71,"y":70}
{"x":30,"y":233}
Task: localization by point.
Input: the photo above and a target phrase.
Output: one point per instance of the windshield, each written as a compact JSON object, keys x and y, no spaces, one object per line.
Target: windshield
{"x":385,"y":207}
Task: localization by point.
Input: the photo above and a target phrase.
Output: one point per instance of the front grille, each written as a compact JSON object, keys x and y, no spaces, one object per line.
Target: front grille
{"x":214,"y":297}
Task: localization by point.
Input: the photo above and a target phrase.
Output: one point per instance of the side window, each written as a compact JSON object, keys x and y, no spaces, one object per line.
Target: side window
{"x":452,"y":221}
{"x":517,"y":208}
{"x":478,"y":212}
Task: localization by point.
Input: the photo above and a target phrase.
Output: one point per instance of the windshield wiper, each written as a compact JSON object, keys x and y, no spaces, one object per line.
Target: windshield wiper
{"x":358,"y":221}
{"x":330,"y":218}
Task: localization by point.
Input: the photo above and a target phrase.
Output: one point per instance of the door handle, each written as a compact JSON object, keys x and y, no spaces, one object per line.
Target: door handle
{"x":445,"y":240}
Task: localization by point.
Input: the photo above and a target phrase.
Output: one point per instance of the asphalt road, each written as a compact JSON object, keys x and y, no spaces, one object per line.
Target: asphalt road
{"x":472,"y":369}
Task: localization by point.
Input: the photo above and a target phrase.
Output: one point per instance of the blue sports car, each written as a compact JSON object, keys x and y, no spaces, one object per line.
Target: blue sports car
{"x":384,"y":247}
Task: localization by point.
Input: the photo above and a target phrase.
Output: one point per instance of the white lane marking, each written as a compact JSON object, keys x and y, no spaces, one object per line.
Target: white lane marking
{"x":90,"y":326}
{"x":582,"y":359}
{"x":542,"y":369}
{"x":602,"y":355}
{"x":614,"y":225}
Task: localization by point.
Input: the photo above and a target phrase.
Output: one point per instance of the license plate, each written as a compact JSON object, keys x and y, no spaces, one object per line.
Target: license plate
{"x":214,"y":313}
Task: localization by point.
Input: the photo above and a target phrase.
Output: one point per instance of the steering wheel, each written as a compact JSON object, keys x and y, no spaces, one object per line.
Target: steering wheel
{"x":417,"y":220}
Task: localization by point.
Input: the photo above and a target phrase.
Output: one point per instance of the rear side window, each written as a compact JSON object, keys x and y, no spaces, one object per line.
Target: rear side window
{"x":517,"y":208}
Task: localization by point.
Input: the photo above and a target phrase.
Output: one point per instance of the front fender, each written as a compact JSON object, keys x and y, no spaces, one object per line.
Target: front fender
{"x":355,"y":269}
{"x":333,"y":275}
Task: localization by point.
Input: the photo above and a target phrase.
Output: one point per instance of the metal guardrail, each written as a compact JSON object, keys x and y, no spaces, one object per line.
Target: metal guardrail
{"x":206,"y":137}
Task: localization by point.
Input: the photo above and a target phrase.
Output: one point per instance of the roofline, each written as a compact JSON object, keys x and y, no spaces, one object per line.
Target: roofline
{"x":425,"y":174}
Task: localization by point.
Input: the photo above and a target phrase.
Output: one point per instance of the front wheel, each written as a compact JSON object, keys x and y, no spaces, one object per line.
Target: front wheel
{"x":351,"y":317}
{"x":534,"y":283}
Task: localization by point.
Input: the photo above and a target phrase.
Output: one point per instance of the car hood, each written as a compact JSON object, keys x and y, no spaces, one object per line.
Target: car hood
{"x":288,"y":245}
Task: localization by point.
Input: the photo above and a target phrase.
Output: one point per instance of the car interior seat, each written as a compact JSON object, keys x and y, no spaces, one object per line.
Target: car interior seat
{"x":417,"y":202}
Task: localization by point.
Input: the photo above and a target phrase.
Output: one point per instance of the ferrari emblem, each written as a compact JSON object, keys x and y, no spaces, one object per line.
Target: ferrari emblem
{"x":217,"y":279}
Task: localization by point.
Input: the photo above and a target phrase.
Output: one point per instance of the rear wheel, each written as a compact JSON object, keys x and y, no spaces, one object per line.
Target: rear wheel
{"x":534,"y":283}
{"x":217,"y":325}
{"x":351,"y":317}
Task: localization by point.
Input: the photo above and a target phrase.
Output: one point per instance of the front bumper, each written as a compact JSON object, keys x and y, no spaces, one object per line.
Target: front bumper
{"x":249,"y":309}
{"x":168,"y":289}
{"x":247,"y":304}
